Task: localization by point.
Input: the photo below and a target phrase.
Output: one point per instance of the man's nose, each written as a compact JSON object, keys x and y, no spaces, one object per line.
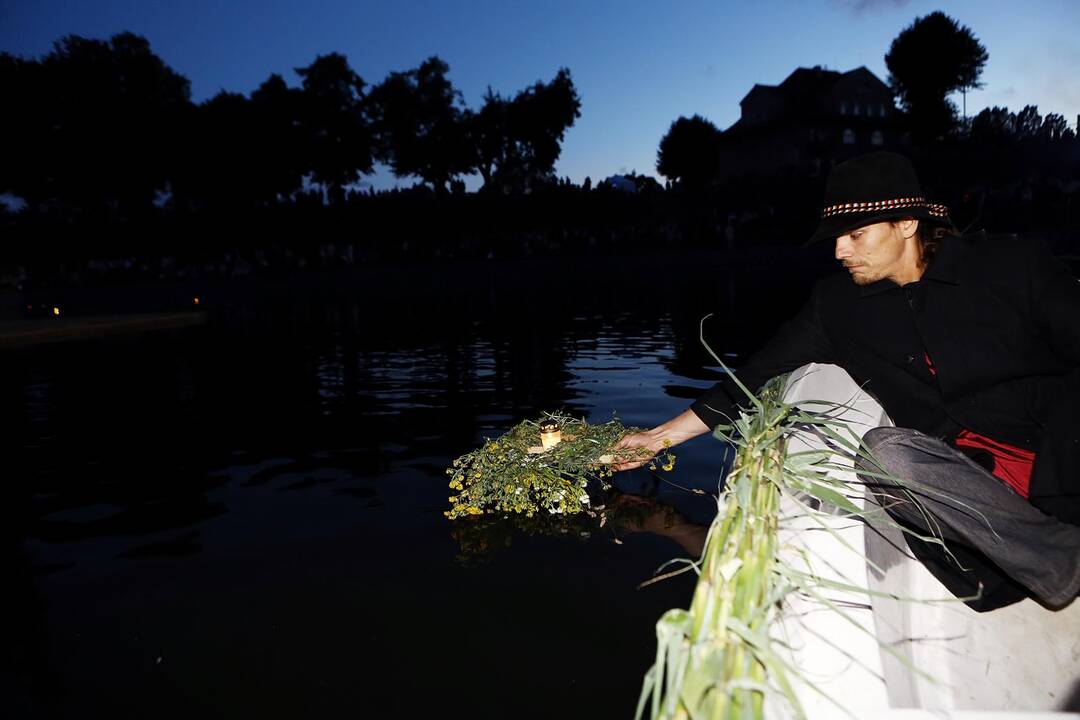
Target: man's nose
{"x":843,"y":247}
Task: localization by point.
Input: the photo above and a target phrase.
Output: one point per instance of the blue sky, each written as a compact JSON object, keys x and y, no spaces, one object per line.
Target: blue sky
{"x":637,"y":64}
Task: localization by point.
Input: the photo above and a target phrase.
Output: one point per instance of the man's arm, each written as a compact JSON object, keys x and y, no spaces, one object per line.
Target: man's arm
{"x":799,"y":341}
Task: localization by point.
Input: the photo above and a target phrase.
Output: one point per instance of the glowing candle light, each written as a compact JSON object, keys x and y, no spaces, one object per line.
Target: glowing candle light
{"x":195,"y":300}
{"x":56,"y":312}
{"x":550,"y":435}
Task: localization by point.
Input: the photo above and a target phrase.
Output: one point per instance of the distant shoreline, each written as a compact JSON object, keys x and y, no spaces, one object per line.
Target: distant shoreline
{"x":31,"y":332}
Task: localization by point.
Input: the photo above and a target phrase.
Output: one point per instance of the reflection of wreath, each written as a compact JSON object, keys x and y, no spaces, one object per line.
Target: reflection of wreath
{"x":480,"y":536}
{"x":635,"y":513}
{"x":523,"y":474}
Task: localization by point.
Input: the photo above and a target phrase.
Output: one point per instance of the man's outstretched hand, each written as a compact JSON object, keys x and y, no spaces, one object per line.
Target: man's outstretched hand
{"x":643,"y":441}
{"x":676,"y":430}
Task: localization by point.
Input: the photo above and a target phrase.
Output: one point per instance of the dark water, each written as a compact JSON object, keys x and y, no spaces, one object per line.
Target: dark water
{"x":246,"y":518}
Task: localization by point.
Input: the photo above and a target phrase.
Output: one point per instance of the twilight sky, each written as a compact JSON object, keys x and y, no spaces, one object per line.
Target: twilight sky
{"x":637,"y":64}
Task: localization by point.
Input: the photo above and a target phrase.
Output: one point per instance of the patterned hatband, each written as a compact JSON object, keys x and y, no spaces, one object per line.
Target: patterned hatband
{"x":879,"y":205}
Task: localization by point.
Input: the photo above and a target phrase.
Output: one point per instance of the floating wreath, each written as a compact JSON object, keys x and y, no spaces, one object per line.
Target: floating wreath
{"x":542,"y":467}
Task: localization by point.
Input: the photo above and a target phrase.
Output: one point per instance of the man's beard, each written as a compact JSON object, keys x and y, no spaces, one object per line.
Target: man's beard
{"x":864,"y":277}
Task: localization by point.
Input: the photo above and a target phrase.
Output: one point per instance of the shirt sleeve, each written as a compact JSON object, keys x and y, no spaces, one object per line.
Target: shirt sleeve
{"x":799,"y":341}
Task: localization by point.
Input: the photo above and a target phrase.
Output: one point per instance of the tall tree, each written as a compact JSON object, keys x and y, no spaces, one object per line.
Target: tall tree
{"x":994,"y":124}
{"x":689,"y":152}
{"x":489,"y":136}
{"x":517,"y":142}
{"x":242,"y":152}
{"x":928,"y":60}
{"x":419,"y":121}
{"x":21,"y":126}
{"x":281,"y":151}
{"x":1028,"y":122}
{"x":94,"y":124}
{"x":1055,"y":127}
{"x":218,"y":170}
{"x":338,"y":134}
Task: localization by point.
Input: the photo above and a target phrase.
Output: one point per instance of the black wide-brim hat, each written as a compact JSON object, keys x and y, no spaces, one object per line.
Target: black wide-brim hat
{"x":873,"y":188}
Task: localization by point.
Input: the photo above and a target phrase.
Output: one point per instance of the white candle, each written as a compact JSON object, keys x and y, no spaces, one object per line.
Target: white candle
{"x":550,"y":435}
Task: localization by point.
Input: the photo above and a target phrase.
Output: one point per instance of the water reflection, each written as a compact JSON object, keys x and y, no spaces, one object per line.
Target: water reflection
{"x":261,"y":499}
{"x":617,"y":515}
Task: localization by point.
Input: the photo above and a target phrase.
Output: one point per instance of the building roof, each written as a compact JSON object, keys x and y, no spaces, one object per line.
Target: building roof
{"x":810,"y":92}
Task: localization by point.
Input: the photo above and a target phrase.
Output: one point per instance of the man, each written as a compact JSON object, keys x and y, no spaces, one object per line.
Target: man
{"x":972,"y":345}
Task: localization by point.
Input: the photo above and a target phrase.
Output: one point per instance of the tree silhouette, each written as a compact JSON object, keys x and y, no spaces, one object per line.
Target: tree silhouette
{"x":488,"y":131}
{"x":22,"y":127}
{"x":281,"y":148}
{"x":217,"y":172}
{"x":244,"y":152}
{"x":994,"y":124}
{"x":1055,"y":127}
{"x":338,"y":138}
{"x":94,"y":124}
{"x":689,"y":152}
{"x":1028,"y":122}
{"x":419,"y":122}
{"x":929,"y":59}
{"x":517,"y":142}
{"x":539,"y":118}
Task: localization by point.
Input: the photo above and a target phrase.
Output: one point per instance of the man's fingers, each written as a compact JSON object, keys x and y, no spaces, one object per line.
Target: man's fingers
{"x":637,"y":441}
{"x":629,"y":465}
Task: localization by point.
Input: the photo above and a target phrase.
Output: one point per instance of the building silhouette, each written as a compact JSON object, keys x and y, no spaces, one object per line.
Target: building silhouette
{"x":809,"y":122}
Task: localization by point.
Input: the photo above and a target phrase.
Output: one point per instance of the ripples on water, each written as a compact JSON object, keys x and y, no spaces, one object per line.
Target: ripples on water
{"x":247,"y":518}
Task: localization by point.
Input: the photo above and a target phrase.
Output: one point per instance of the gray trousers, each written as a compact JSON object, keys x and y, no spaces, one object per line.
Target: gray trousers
{"x":962,"y":502}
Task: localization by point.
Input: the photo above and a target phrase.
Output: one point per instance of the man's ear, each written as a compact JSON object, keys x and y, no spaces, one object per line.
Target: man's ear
{"x":908,"y":227}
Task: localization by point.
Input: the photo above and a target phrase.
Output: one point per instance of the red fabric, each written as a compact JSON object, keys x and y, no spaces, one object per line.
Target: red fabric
{"x":1012,"y":465}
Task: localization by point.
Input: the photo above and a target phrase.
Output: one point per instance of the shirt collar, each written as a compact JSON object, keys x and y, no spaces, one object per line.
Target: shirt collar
{"x":877,"y":287}
{"x":944,"y":267}
{"x":947,"y":261}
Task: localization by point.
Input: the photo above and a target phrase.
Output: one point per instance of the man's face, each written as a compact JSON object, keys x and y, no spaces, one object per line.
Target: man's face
{"x":874,"y":252}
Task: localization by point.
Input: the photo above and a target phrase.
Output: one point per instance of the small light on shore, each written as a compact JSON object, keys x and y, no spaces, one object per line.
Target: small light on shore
{"x":195,"y":300}
{"x":56,"y":312}
{"x":550,"y":435}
